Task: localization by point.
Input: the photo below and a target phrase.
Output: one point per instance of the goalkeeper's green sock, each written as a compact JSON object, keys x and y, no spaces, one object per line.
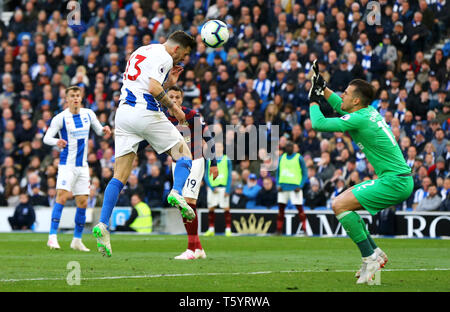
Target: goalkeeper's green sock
{"x":353,"y":225}
{"x":369,"y":238}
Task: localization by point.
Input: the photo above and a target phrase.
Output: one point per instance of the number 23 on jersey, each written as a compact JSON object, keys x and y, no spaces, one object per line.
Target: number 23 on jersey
{"x":135,"y":60}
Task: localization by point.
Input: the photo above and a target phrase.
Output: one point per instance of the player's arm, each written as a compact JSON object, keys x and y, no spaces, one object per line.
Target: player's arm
{"x":207,"y":176}
{"x":277,"y":178}
{"x":157,"y":71}
{"x":334,"y":100}
{"x":345,"y":123}
{"x":52,"y":131}
{"x":319,"y":88}
{"x":156,"y":89}
{"x":228,"y":188}
{"x":210,"y":147}
{"x":304,"y":171}
{"x":97,"y":126}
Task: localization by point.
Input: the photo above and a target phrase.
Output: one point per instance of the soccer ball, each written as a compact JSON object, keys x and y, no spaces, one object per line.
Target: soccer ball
{"x":215,"y":33}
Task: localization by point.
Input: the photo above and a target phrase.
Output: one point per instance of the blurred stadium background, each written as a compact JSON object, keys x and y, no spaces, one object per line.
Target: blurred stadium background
{"x":260,"y":77}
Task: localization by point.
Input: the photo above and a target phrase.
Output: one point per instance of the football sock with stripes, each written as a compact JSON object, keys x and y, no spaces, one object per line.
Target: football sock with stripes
{"x":110,"y":199}
{"x":80,"y":220}
{"x":352,"y":223}
{"x":56,"y":217}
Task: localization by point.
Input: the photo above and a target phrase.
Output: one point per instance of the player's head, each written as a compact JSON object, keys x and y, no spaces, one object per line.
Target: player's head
{"x":359,"y":94}
{"x":73,"y":98}
{"x":181,"y":44}
{"x":175,"y":94}
{"x":219,"y":149}
{"x":289,"y":148}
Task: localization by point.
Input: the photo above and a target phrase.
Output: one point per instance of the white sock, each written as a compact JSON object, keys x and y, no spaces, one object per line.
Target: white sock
{"x":211,"y":229}
{"x":371,"y":257}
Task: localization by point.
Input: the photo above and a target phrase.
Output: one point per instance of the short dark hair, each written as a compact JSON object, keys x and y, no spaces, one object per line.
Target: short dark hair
{"x":364,"y":91}
{"x":73,"y":88}
{"x":183,"y":39}
{"x":176,"y":89}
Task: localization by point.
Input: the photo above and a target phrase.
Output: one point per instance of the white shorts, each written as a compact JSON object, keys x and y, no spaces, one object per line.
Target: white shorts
{"x":73,"y":179}
{"x":135,"y":124}
{"x":218,"y":199}
{"x":295,"y":197}
{"x":194,"y":181}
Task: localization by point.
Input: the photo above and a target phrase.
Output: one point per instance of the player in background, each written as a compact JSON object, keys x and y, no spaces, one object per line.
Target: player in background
{"x":291,"y":176}
{"x":150,"y":70}
{"x":218,"y":191}
{"x":374,"y":137}
{"x":192,"y":187}
{"x":73,"y":126}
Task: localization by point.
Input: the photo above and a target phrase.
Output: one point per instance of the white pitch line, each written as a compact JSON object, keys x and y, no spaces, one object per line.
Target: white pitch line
{"x":211,"y":274}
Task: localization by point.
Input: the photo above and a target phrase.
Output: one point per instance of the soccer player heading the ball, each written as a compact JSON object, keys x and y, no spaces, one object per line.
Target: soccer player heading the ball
{"x":374,"y":137}
{"x":150,"y":70}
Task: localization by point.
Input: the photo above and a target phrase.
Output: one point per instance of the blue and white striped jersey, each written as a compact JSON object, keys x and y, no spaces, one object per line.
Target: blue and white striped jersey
{"x":150,"y":61}
{"x":74,"y":129}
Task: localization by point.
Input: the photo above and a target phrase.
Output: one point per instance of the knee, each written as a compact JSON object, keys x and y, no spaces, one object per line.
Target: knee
{"x":82,"y":203}
{"x":336,"y":206}
{"x":61,"y":198}
{"x":180,"y":150}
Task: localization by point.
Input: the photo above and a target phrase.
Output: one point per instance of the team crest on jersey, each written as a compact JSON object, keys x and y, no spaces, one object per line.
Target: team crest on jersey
{"x":346,"y":117}
{"x":161,"y":69}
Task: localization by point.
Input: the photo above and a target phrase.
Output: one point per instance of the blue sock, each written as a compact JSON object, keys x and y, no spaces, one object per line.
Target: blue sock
{"x":80,"y":220}
{"x":56,"y":217}
{"x":110,"y":199}
{"x":182,"y":171}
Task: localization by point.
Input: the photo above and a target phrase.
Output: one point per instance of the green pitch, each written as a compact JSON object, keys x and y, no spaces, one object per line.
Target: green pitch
{"x":245,"y":263}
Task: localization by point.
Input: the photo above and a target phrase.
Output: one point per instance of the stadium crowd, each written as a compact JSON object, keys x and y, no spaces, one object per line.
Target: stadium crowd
{"x":260,"y":77}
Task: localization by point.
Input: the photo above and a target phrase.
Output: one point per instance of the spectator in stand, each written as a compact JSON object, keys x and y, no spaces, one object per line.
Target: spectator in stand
{"x":315,"y":196}
{"x":422,"y":192}
{"x":24,"y":215}
{"x":437,"y":170}
{"x":267,"y":196}
{"x":237,"y":198}
{"x":439,"y":142}
{"x":431,"y":201}
{"x":251,"y":190}
{"x":38,"y":198}
{"x":325,"y":168}
{"x":153,"y":185}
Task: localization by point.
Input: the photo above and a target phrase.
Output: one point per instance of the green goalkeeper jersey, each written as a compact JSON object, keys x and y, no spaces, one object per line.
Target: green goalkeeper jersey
{"x":370,"y":132}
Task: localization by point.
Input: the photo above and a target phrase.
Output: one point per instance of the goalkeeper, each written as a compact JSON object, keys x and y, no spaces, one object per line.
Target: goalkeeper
{"x":374,"y":137}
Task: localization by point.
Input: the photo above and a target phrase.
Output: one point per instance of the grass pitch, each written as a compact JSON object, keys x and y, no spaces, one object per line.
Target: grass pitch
{"x":234,"y":264}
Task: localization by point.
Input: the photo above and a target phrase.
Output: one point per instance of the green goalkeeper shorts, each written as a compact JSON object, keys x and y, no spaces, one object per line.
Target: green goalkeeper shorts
{"x":376,"y":195}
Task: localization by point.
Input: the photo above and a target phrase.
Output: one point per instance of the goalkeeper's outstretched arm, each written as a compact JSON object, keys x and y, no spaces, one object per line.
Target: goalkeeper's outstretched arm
{"x":334,"y":100}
